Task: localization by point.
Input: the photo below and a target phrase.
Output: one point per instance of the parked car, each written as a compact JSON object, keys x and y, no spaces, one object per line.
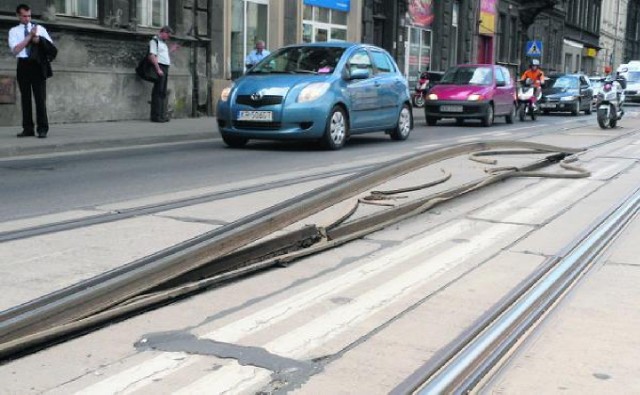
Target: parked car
{"x":321,"y":91}
{"x":632,"y":91}
{"x":596,"y":83}
{"x":566,"y":93}
{"x":479,"y":91}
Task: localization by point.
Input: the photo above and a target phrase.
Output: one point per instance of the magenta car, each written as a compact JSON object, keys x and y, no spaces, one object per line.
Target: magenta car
{"x":472,"y":91}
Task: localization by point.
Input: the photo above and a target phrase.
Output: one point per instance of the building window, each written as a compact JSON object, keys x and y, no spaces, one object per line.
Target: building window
{"x":79,"y":8}
{"x":152,"y":13}
{"x":514,"y":39}
{"x":249,"y":20}
{"x":323,"y":24}
{"x":455,"y":12}
{"x":503,"y":48}
{"x":419,"y":55}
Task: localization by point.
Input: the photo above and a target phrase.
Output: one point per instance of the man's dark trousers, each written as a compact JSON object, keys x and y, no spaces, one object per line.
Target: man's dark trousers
{"x":31,"y":79}
{"x":159,"y":97}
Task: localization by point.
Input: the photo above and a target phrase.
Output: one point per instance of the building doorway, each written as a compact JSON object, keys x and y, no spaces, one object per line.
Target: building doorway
{"x":485,"y":50}
{"x":248,"y":24}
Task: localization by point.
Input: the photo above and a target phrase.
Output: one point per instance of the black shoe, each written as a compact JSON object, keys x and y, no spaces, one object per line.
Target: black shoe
{"x":42,"y":135}
{"x":25,"y":134}
{"x":156,"y":120}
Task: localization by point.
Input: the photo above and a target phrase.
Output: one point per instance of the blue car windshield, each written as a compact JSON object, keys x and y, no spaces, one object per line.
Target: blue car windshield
{"x":468,"y":76}
{"x":300,"y":60}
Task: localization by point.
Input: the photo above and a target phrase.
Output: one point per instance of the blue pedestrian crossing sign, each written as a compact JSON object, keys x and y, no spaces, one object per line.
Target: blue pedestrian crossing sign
{"x":534,"y":48}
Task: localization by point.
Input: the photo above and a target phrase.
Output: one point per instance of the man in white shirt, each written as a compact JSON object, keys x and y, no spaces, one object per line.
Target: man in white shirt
{"x":22,"y":39}
{"x":159,"y":56}
{"x":256,"y":55}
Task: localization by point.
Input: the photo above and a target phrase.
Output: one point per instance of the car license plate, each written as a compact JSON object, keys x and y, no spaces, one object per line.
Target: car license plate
{"x":265,"y":116}
{"x":451,"y":108}
{"x":547,"y":105}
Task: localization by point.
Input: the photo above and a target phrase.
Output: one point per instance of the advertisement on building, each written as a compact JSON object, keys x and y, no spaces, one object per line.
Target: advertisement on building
{"x":488,"y":17}
{"x":421,"y":13}
{"x":340,"y":5}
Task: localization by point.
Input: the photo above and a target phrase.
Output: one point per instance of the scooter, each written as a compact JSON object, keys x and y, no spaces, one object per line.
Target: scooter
{"x":527,"y":99}
{"x":421,"y":90}
{"x":610,"y":101}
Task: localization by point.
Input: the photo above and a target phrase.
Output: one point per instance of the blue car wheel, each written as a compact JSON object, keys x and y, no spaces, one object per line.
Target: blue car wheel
{"x":335,"y":132}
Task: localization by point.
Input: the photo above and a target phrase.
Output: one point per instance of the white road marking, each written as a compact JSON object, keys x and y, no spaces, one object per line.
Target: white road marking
{"x":276,"y":313}
{"x":301,"y":341}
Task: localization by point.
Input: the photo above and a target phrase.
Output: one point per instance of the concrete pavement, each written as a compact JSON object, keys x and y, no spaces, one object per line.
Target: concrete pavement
{"x":99,"y":135}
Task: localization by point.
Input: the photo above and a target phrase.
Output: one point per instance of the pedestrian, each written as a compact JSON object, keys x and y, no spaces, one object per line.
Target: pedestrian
{"x":256,"y":55}
{"x":159,"y":56}
{"x":24,"y":41}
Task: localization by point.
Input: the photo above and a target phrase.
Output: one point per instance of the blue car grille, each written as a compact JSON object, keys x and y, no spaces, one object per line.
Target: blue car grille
{"x":256,"y":125}
{"x":263,"y":101}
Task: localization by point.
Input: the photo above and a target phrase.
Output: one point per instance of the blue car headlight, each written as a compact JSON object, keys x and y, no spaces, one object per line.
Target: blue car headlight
{"x":224,"y":95}
{"x":313,"y":91}
{"x":568,"y":98}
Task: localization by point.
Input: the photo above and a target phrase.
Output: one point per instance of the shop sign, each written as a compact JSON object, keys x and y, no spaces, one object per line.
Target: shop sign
{"x":7,"y":90}
{"x":340,"y":5}
{"x":590,"y":52}
{"x":421,"y":13}
{"x":488,"y":17}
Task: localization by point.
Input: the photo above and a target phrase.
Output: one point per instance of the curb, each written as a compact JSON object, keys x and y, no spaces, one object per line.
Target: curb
{"x":16,"y":152}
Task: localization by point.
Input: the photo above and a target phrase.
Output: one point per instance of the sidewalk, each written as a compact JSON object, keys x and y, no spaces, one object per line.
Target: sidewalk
{"x":98,"y":135}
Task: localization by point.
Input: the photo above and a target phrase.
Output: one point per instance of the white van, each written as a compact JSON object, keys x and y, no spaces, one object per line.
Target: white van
{"x":631,"y":72}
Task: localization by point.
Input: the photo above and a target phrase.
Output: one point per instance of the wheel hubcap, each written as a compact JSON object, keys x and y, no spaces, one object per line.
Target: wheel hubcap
{"x":337,"y":127}
{"x":404,"y":123}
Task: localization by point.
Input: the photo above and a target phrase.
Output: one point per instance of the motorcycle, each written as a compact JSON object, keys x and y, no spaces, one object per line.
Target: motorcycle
{"x":527,"y":99}
{"x":421,"y":90}
{"x":610,"y":101}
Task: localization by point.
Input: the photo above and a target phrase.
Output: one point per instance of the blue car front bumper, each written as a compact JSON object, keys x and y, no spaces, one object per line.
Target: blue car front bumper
{"x":295,"y":121}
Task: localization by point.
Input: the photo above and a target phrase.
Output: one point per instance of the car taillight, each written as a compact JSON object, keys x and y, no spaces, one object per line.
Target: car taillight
{"x":607,"y":87}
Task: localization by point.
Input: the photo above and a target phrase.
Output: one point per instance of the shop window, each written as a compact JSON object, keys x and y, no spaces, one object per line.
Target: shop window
{"x":79,"y":8}
{"x":419,"y":54}
{"x":152,"y":13}
{"x":323,"y":24}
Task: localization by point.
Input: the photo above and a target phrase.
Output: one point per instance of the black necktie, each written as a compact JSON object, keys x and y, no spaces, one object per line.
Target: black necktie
{"x":27,"y":49}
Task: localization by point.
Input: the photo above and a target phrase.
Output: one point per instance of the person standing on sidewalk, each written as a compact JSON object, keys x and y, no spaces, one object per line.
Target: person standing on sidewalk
{"x":22,"y":40}
{"x":159,"y":55}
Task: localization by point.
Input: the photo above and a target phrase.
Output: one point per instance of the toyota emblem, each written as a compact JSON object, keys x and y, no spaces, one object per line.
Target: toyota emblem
{"x":256,"y":96}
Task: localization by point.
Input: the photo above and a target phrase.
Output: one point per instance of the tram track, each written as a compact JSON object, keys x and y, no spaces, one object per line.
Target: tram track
{"x":467,"y":361}
{"x":92,"y":302}
{"x":31,"y":324}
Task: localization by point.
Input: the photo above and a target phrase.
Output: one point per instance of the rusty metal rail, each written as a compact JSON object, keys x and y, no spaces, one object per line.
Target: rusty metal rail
{"x":36,"y":321}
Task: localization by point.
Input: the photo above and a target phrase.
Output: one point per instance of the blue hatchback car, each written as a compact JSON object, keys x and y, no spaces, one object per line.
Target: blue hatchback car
{"x":321,"y":91}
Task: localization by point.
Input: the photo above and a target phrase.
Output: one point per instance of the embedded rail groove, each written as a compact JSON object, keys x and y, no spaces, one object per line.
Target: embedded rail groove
{"x":465,"y":362}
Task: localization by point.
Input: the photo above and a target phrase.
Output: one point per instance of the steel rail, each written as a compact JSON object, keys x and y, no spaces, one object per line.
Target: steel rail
{"x":467,"y":359}
{"x":119,"y":285}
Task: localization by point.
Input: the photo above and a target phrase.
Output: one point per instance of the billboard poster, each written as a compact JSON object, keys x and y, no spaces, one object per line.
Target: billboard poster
{"x":488,"y":17}
{"x":421,"y":13}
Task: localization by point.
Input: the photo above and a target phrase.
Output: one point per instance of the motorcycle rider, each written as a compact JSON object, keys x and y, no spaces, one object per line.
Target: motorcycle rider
{"x":535,"y":75}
